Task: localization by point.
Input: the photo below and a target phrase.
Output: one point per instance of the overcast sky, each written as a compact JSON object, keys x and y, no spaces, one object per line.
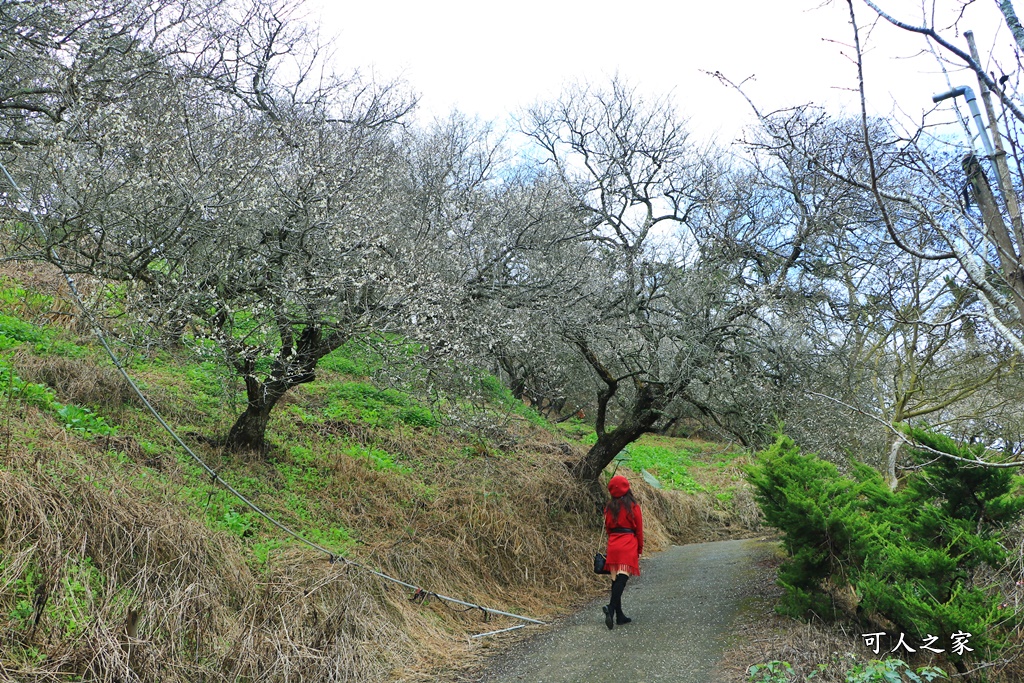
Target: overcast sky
{"x":491,"y":59}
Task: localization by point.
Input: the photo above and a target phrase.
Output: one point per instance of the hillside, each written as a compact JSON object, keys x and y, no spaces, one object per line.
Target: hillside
{"x":122,"y":559}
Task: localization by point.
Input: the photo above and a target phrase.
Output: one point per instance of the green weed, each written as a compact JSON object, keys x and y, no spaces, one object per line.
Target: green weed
{"x":205,"y":378}
{"x":770,"y":672}
{"x":498,"y":395}
{"x":379,"y":458}
{"x":578,"y":430}
{"x":262,"y":550}
{"x":359,"y":401}
{"x":669,"y":465}
{"x":69,"y":609}
{"x":337,"y":539}
{"x":24,"y":593}
{"x":239,"y":524}
{"x":27,"y":655}
{"x":22,"y":612}
{"x":74,"y":418}
{"x":296,"y":476}
{"x":301,"y":454}
{"x":302,"y":414}
{"x":884,"y":671}
{"x":13,"y":296}
{"x":892,"y":671}
{"x":72,"y":613}
{"x":44,"y":341}
{"x":354,"y":358}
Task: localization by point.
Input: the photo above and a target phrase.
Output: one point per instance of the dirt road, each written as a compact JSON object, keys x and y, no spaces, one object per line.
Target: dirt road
{"x":681,"y":607}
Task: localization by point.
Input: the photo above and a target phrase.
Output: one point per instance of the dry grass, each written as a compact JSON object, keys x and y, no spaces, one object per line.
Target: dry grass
{"x":78,"y":382}
{"x":103,"y":583}
{"x":712,"y":521}
{"x":104,"y":574}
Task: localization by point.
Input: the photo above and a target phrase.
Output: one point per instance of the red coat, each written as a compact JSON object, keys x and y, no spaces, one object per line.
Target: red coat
{"x":624,"y":549}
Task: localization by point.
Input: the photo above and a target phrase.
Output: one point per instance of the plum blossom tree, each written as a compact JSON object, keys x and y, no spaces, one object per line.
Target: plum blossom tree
{"x":246,"y":198}
{"x":664,"y":310}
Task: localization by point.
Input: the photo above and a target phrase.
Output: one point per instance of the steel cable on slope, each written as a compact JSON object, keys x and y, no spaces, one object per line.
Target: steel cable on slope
{"x":214,"y":476}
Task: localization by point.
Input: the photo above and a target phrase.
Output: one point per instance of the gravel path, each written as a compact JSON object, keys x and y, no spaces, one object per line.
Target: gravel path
{"x":682,"y":607}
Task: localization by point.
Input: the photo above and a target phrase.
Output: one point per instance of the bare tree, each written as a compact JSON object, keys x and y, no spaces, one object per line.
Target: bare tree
{"x":496,"y":236}
{"x":897,"y":329}
{"x":932,"y":295}
{"x":668,"y":315}
{"x":246,"y":202}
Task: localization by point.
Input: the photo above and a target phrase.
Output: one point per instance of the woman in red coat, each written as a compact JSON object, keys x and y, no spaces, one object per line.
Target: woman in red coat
{"x":625,"y":527}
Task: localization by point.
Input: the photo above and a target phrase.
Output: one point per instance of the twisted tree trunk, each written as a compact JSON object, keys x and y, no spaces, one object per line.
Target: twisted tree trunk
{"x":644,"y":412}
{"x":295,"y":365}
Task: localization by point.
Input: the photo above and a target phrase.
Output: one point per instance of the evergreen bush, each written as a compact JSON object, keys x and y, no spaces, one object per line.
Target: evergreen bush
{"x":908,"y":556}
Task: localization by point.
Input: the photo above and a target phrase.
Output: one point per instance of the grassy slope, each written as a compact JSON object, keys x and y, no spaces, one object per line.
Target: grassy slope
{"x":117,"y":553}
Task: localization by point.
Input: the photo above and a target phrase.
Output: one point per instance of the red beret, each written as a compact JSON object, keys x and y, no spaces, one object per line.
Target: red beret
{"x":618,"y":486}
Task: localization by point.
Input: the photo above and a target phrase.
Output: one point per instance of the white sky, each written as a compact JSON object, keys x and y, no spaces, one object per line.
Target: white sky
{"x":491,"y":59}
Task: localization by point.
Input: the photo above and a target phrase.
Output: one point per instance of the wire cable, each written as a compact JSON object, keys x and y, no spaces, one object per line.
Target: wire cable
{"x":214,"y":476}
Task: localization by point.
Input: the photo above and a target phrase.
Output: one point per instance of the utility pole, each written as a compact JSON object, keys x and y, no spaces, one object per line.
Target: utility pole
{"x":1006,"y":243}
{"x":991,"y":216}
{"x":999,"y":157}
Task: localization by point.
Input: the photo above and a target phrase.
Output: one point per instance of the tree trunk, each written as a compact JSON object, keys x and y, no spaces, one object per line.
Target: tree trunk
{"x":249,"y":430}
{"x":604,"y":451}
{"x":294,"y":365}
{"x":643,"y":414}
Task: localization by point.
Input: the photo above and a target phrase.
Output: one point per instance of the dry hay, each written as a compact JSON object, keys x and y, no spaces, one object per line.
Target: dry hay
{"x":107,"y":577}
{"x":85,"y":384}
{"x":506,"y":530}
{"x":103,"y":584}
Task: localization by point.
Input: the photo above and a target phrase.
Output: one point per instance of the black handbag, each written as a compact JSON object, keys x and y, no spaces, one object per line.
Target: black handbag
{"x":599,"y":564}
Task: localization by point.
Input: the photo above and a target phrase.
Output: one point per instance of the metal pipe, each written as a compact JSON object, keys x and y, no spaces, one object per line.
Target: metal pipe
{"x":504,"y":630}
{"x":972,"y":102}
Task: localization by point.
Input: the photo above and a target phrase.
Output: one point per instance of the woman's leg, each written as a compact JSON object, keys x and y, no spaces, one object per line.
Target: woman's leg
{"x":618,"y":586}
{"x":609,"y":609}
{"x":614,"y":606}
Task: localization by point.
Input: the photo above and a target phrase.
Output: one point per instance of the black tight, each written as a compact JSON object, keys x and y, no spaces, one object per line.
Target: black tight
{"x":618,"y":585}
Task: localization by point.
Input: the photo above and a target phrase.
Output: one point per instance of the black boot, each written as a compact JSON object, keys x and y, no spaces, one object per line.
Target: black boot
{"x":607,"y":609}
{"x":615,"y":607}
